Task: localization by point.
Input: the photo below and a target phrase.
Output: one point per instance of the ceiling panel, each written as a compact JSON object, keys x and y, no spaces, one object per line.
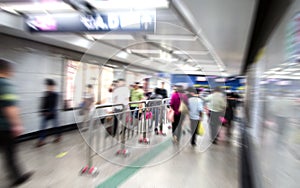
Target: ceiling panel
{"x":225,"y":24}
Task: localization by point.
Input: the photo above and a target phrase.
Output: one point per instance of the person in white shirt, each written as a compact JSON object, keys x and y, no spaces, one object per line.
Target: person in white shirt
{"x":216,"y":105}
{"x":120,"y":95}
{"x":195,"y":112}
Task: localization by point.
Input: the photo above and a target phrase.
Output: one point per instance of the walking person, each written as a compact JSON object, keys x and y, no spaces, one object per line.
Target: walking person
{"x":49,"y":111}
{"x":120,"y":95}
{"x":195,"y":113}
{"x":136,"y":95}
{"x":162,"y":91}
{"x":86,"y":106}
{"x":177,"y":97}
{"x":10,"y":124}
{"x":217,"y":105}
{"x":155,"y":109}
{"x":230,"y":113}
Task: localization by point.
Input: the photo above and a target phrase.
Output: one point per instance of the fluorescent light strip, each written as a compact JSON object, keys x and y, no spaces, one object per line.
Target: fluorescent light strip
{"x":112,"y":37}
{"x":172,"y":37}
{"x":128,"y":4}
{"x":282,"y":73}
{"x":292,"y":69}
{"x":122,"y":55}
{"x":199,"y":61}
{"x":163,"y":59}
{"x":37,"y":7}
{"x":142,"y":51}
{"x":191,"y":52}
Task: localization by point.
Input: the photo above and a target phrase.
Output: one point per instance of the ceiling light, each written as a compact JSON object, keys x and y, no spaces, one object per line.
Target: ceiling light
{"x":163,"y":59}
{"x":111,"y":65}
{"x":282,"y":73}
{"x":142,"y":51}
{"x":122,"y":55}
{"x":191,"y":52}
{"x":172,"y":37}
{"x":292,"y":69}
{"x":112,"y":37}
{"x":276,"y":69}
{"x":89,"y":37}
{"x":200,"y":61}
{"x":53,"y":6}
{"x":188,"y":68}
{"x":128,"y":4}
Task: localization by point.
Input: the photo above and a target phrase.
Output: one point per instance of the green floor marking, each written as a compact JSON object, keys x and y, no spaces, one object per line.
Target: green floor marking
{"x":121,"y":176}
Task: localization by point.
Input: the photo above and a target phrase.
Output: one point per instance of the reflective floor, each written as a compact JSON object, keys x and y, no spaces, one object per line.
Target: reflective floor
{"x":158,"y":164}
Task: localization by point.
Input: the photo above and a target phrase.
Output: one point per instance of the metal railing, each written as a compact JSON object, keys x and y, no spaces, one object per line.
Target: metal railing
{"x":107,"y":130}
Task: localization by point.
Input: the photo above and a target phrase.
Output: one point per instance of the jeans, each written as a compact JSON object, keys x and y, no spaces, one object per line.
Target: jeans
{"x":44,"y":126}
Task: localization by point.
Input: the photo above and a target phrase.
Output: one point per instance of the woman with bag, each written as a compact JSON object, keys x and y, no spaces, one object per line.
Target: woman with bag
{"x":195,"y":112}
{"x":178,"y":98}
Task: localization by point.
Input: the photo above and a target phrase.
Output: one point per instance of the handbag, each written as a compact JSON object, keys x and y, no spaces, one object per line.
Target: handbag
{"x":170,"y":115}
{"x":183,"y":108}
{"x":200,"y":129}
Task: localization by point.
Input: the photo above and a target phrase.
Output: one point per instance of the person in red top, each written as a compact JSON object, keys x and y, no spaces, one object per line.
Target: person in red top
{"x":175,"y":101}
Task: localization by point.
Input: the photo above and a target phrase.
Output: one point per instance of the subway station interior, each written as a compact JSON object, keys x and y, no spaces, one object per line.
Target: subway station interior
{"x":245,"y":48}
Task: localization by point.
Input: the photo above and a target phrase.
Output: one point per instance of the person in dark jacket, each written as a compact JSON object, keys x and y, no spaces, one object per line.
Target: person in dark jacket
{"x":48,"y":111}
{"x":155,"y":108}
{"x":162,"y":91}
{"x":229,"y":113}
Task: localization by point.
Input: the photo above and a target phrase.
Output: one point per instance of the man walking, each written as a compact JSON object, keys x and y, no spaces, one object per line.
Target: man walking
{"x":10,"y":123}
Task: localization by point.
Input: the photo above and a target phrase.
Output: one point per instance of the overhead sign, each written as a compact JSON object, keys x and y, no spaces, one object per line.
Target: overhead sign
{"x":73,"y":22}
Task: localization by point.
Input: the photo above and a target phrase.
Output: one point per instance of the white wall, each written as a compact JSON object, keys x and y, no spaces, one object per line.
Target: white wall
{"x":32,"y":67}
{"x":34,"y":63}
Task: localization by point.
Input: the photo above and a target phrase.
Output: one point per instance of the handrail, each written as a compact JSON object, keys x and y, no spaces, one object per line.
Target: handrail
{"x":108,"y":105}
{"x":137,"y":102}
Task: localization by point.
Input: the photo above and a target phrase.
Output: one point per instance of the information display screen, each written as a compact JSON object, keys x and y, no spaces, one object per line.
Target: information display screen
{"x":74,"y":22}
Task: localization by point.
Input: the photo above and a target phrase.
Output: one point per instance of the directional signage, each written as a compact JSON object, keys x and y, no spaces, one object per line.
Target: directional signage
{"x":73,"y":22}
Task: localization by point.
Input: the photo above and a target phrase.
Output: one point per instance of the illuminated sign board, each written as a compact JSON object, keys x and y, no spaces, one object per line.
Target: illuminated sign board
{"x":200,"y":78}
{"x":220,"y":80}
{"x":73,"y":22}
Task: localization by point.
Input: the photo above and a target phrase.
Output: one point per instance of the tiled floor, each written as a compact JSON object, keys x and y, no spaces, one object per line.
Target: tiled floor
{"x":58,"y":165}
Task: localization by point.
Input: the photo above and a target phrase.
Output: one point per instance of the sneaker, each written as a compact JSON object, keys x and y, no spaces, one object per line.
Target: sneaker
{"x":156,"y":131}
{"x":22,"y":179}
{"x":40,"y":143}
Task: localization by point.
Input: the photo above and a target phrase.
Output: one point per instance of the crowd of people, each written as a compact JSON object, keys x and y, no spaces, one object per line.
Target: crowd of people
{"x":219,"y":107}
{"x":183,"y":102}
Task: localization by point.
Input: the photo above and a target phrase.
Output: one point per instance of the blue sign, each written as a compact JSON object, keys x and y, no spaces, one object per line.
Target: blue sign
{"x":73,"y":22}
